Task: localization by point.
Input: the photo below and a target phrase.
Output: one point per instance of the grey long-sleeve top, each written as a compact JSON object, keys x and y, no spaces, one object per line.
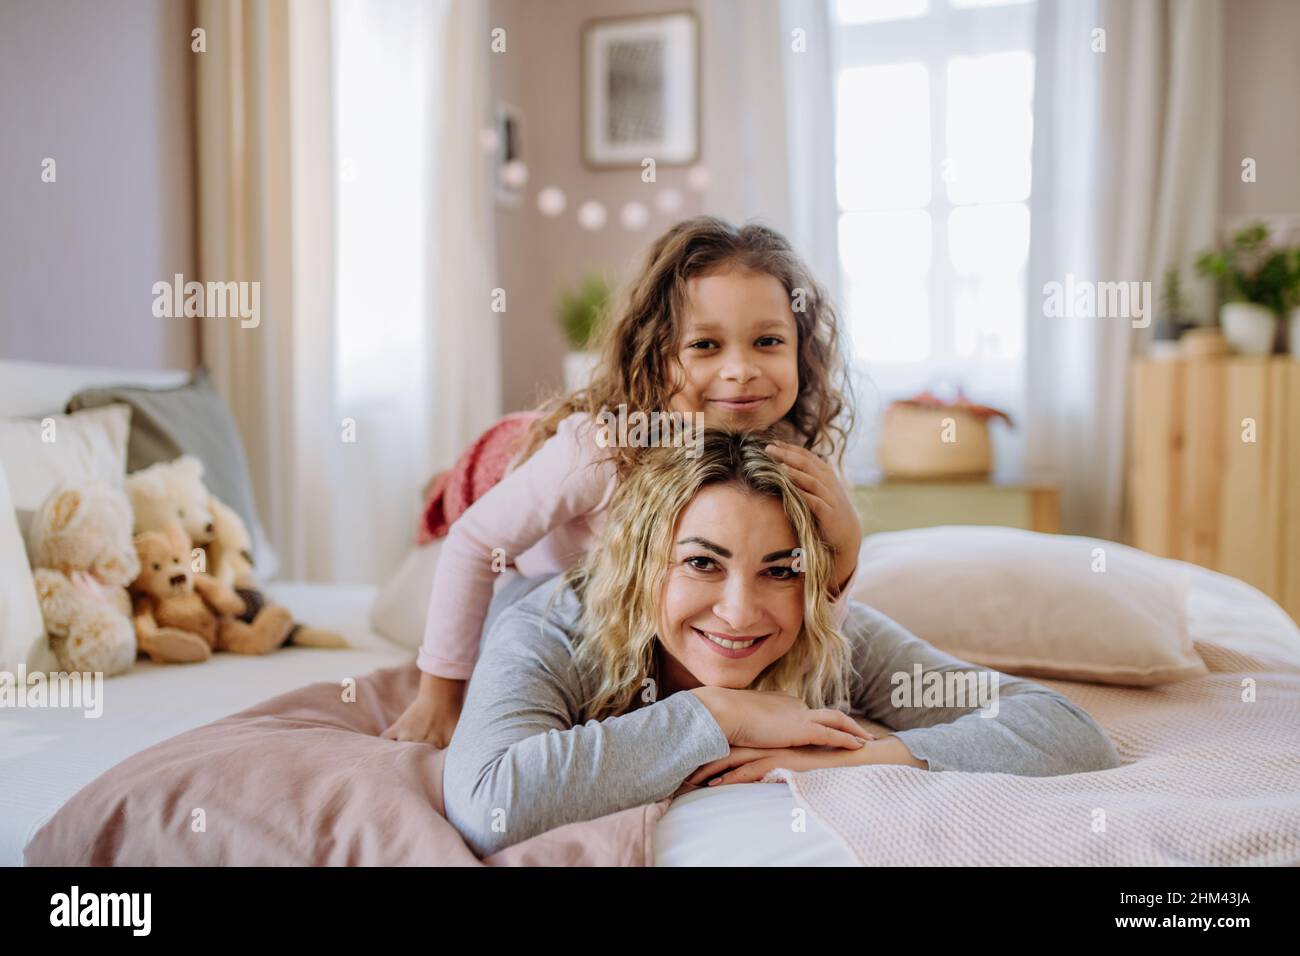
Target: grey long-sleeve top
{"x":521,"y":762}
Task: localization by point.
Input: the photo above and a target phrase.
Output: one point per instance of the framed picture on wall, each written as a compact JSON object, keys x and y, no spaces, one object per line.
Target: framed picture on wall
{"x":640,"y":90}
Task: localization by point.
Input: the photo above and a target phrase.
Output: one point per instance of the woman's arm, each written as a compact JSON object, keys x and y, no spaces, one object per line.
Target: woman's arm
{"x":519,"y":765}
{"x":989,"y":723}
{"x":563,"y":480}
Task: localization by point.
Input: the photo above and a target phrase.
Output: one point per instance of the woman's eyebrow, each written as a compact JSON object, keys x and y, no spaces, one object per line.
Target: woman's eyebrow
{"x":715,"y":548}
{"x":778,"y":555}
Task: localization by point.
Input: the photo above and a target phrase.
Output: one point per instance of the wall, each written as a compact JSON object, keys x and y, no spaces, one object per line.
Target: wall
{"x":105,"y":89}
{"x":539,"y":257}
{"x":1261,"y":107}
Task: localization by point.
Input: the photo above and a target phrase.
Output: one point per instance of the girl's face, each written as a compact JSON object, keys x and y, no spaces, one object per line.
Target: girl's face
{"x":738,"y":352}
{"x":732,"y":602}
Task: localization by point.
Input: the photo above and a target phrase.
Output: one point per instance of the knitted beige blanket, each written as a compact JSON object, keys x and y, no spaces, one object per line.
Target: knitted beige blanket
{"x":1211,"y":773}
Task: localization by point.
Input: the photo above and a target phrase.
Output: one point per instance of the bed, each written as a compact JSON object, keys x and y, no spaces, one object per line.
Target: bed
{"x":47,"y":756}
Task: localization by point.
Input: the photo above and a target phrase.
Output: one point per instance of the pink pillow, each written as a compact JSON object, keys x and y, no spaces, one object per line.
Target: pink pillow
{"x":1040,"y":605}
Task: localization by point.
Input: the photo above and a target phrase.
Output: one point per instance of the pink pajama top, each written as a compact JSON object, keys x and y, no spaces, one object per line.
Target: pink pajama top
{"x":542,"y":517}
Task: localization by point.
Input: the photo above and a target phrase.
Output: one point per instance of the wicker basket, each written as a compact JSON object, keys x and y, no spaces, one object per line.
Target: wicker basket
{"x":911,"y":443}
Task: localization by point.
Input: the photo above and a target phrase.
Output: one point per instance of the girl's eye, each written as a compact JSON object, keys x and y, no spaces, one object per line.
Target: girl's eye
{"x":769,"y":340}
{"x":702,"y":343}
{"x":709,"y":562}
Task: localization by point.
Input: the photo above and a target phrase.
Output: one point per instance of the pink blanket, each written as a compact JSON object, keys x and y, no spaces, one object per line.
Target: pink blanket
{"x":474,"y":473}
{"x":1211,"y":773}
{"x":303,"y":779}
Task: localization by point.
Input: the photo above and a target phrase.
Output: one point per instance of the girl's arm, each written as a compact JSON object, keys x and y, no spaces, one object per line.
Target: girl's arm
{"x":520,"y":764}
{"x":563,"y":480}
{"x":1003,"y":724}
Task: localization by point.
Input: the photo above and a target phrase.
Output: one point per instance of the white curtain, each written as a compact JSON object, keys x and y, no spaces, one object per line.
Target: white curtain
{"x":1126,"y":145}
{"x":340,"y":165}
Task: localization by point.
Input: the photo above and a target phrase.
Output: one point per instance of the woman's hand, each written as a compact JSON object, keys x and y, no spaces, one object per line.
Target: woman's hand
{"x":829,"y":501}
{"x":757,"y":718}
{"x":751,"y":764}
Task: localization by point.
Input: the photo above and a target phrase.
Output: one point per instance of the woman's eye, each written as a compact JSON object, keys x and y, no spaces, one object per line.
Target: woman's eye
{"x":783,"y":573}
{"x":708,"y":563}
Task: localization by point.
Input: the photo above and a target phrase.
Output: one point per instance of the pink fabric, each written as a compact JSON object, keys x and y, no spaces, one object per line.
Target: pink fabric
{"x":303,"y":779}
{"x":542,"y":517}
{"x":481,"y":467}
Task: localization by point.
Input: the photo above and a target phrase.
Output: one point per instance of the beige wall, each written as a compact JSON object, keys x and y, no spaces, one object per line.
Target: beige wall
{"x":1261,"y":107}
{"x":105,"y":89}
{"x":538,"y":256}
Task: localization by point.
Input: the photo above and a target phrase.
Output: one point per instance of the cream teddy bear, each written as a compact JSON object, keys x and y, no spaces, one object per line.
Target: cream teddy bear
{"x":83,"y":560}
{"x":174,"y":491}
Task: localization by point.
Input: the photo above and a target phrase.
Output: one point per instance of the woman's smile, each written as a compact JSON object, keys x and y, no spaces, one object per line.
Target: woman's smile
{"x":729,"y":646}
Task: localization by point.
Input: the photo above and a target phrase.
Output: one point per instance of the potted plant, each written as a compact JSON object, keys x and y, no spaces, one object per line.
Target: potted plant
{"x":581,"y":311}
{"x":1257,"y":284}
{"x":1172,"y":320}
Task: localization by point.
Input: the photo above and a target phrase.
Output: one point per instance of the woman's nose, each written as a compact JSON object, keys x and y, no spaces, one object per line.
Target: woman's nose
{"x":738,"y":606}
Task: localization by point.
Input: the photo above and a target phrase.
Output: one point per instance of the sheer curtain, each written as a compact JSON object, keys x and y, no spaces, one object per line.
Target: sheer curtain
{"x":340,"y":166}
{"x":1126,"y":146}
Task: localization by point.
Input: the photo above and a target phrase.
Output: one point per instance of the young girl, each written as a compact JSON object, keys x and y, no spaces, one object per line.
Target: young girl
{"x":722,"y":321}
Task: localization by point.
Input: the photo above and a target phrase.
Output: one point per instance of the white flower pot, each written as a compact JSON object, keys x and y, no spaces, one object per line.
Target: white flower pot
{"x":577,"y":369}
{"x":1293,"y":331}
{"x":1249,"y":327}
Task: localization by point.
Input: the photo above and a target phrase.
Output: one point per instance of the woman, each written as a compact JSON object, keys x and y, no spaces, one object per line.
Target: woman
{"x":695,"y":644}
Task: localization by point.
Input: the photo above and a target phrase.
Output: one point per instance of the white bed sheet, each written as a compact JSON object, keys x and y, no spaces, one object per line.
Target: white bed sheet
{"x":46,"y":756}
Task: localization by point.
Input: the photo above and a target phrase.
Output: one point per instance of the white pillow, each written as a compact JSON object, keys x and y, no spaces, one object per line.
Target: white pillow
{"x":22,"y":630}
{"x":39,"y":454}
{"x":1041,"y":605}
{"x":400,"y":609}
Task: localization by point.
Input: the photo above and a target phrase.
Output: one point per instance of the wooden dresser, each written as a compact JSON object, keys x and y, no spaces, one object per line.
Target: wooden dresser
{"x":1198,"y":489}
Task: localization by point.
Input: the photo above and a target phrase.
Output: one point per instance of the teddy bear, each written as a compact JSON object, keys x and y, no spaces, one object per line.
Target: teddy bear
{"x":169,"y":593}
{"x":174,"y":491}
{"x":83,"y":559}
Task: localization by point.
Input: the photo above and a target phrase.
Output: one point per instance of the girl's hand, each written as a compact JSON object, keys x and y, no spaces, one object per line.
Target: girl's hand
{"x":757,"y":718}
{"x":432,"y":717}
{"x":752,"y":764}
{"x":830,"y":503}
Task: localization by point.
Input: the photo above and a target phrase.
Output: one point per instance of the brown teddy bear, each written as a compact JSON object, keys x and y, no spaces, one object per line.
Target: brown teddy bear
{"x":169,"y":594}
{"x":174,"y":491}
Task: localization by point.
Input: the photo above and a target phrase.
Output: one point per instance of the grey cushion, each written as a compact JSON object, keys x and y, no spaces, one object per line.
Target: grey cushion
{"x":192,"y":419}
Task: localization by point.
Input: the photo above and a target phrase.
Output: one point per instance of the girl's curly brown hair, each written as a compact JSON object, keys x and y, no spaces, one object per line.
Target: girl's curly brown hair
{"x":640,"y":340}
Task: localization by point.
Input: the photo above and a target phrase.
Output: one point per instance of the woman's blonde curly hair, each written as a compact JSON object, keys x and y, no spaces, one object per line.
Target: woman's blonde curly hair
{"x":621,"y":582}
{"x":639,"y":340}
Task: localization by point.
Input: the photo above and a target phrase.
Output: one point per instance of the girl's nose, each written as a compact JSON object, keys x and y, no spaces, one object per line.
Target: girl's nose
{"x":739,"y":368}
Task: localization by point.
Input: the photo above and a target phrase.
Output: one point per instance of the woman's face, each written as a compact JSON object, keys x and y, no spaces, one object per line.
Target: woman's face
{"x":732,"y":604}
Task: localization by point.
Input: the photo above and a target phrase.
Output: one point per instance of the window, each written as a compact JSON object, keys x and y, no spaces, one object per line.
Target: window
{"x":933,"y":120}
